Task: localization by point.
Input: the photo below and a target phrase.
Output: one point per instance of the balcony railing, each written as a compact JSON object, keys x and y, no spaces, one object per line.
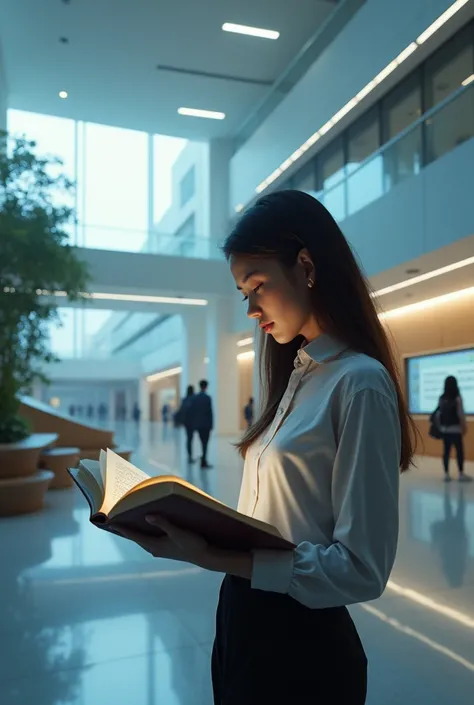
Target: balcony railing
{"x":441,"y":129}
{"x":101,"y":237}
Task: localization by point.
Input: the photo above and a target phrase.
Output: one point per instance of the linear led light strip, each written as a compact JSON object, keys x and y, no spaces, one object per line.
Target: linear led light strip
{"x":123,"y":297}
{"x":408,"y":51}
{"x":245,"y":341}
{"x":163,"y":375}
{"x":423,"y":277}
{"x":427,"y":303}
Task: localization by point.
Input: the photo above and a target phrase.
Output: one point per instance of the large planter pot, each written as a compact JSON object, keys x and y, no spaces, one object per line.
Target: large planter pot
{"x":22,"y":495}
{"x":21,"y":459}
{"x":58,"y":460}
{"x":22,"y":486}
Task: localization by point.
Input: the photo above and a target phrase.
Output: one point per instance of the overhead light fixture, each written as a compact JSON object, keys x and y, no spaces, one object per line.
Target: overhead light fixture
{"x":196,"y":112}
{"x":468,"y":80}
{"x":102,"y":296}
{"x":249,"y":355}
{"x":63,"y":94}
{"x":163,"y":375}
{"x":428,"y":303}
{"x":424,"y":277}
{"x":148,"y":299}
{"x":377,"y":80}
{"x":245,"y":341}
{"x":250,"y":31}
{"x":442,"y":19}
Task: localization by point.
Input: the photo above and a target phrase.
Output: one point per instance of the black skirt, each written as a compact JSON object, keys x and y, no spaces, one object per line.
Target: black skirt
{"x":270,"y":650}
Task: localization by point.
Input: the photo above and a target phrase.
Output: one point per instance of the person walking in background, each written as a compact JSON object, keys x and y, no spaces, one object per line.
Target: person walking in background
{"x":136,"y":413}
{"x":249,"y":412}
{"x":201,"y":418}
{"x":184,"y":418}
{"x":165,"y":413}
{"x":453,"y":426}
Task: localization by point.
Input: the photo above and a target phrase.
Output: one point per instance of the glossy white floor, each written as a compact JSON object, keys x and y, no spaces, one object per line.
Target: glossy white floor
{"x":87,"y":618}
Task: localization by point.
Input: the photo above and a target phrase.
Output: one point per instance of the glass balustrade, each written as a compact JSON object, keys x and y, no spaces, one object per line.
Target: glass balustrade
{"x":442,"y":129}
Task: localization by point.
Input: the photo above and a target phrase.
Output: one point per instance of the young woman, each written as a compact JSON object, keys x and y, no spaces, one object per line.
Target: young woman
{"x":453,"y":426}
{"x":322,"y":464}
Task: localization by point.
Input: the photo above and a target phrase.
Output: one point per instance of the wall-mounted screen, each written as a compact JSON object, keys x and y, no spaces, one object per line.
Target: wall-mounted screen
{"x":425,"y":377}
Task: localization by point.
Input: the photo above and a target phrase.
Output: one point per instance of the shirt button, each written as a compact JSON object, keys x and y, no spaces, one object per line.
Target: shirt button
{"x":280,"y":411}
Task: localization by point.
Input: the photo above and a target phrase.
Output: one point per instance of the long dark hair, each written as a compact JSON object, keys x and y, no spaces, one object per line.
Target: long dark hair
{"x":451,"y":389}
{"x":279,"y":226}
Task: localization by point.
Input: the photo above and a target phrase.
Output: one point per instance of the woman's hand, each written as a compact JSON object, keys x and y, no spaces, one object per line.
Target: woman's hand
{"x":182,"y":545}
{"x":177,"y":544}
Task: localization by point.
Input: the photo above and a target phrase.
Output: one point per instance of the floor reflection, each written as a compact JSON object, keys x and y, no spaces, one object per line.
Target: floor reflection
{"x":88,"y":618}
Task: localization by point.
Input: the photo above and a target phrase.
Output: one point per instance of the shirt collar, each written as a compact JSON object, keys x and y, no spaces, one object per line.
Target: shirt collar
{"x":320,"y":350}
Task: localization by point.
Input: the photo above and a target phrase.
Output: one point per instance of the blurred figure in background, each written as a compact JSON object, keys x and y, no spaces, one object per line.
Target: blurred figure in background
{"x":136,"y":413}
{"x":201,"y":419}
{"x":90,"y":411}
{"x":165,"y":413}
{"x":453,"y":426}
{"x":184,"y":418}
{"x":102,"y":411}
{"x":249,"y":412}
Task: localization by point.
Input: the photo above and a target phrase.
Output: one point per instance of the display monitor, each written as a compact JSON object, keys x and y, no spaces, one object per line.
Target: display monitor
{"x":425,"y":377}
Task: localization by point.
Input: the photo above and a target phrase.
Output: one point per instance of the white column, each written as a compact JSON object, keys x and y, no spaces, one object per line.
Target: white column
{"x":222,"y":369}
{"x":194,"y":348}
{"x":144,"y":399}
{"x":220,"y":154}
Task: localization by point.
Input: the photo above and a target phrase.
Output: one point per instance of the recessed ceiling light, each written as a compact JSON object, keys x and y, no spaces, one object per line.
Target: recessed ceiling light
{"x":468,"y":80}
{"x":251,"y":31}
{"x":63,"y":94}
{"x":195,"y":112}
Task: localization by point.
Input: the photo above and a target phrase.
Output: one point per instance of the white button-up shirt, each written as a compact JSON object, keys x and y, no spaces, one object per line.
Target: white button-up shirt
{"x":326,"y":474}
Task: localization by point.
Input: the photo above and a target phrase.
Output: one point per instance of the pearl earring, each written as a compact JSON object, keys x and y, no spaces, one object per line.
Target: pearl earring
{"x":310,"y":283}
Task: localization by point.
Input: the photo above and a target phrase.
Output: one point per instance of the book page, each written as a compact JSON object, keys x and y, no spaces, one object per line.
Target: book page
{"x":121,"y":476}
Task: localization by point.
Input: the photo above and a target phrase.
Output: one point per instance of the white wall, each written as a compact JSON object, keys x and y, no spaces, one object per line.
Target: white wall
{"x":420,"y":215}
{"x":378,"y":32}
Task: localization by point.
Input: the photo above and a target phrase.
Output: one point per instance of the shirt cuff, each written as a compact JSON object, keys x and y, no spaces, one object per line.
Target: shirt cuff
{"x":272,"y":571}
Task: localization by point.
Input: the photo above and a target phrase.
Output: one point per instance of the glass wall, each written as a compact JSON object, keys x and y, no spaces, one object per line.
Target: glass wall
{"x":391,"y":142}
{"x":134,"y":191}
{"x":74,"y":333}
{"x":113,"y":210}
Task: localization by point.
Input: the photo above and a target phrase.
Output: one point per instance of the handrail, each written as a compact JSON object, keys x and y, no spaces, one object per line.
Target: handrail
{"x":401,"y":135}
{"x":141,"y":231}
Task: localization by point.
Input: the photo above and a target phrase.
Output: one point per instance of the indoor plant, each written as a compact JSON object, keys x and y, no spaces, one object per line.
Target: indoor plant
{"x":36,"y":261}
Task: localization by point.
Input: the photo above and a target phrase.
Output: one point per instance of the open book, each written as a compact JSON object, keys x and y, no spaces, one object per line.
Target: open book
{"x":120,"y":493}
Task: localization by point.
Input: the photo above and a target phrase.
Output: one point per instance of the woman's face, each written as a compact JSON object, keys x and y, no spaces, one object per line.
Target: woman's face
{"x":278,"y":298}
